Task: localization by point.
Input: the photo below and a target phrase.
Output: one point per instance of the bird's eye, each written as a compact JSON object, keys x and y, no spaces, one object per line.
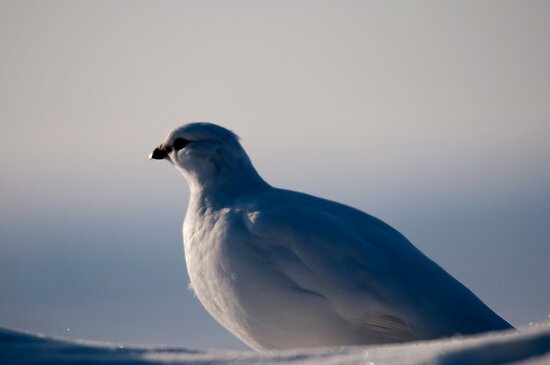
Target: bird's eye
{"x":180,"y":143}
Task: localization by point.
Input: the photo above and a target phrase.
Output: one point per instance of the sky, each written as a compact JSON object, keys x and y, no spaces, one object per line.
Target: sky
{"x":433,"y":116}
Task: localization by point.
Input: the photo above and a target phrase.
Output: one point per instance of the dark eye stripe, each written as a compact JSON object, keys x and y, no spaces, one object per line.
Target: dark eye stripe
{"x":180,"y":143}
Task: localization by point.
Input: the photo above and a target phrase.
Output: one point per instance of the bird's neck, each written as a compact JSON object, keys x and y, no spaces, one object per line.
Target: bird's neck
{"x":226,"y":187}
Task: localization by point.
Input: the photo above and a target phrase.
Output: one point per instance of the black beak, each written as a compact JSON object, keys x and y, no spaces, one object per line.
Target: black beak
{"x":158,"y":154}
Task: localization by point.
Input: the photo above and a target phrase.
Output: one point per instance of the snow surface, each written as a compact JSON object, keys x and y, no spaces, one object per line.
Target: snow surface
{"x":530,"y":346}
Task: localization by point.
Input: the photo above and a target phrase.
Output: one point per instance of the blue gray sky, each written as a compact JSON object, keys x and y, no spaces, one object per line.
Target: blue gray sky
{"x":433,"y":116}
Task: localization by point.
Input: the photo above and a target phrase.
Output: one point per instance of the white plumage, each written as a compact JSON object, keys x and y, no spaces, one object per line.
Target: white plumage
{"x":282,"y":269}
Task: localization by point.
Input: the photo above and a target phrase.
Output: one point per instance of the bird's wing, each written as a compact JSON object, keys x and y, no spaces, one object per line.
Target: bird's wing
{"x":324,"y":254}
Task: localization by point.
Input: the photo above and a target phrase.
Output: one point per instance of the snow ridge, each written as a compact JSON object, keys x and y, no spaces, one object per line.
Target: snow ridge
{"x":528,"y":347}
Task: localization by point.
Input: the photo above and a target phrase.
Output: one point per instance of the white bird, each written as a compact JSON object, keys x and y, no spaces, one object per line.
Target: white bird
{"x":281,"y":269}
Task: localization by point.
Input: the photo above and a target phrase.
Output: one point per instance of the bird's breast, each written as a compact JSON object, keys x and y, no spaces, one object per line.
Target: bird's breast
{"x":214,"y":249}
{"x":247,"y":293}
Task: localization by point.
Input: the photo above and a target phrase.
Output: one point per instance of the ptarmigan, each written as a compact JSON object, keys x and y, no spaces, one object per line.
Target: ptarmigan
{"x":282,"y":269}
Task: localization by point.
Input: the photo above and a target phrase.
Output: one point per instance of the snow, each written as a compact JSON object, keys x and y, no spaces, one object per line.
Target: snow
{"x":530,"y":346}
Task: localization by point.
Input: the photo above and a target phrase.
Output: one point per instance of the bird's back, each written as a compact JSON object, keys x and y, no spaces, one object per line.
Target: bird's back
{"x":418,"y":291}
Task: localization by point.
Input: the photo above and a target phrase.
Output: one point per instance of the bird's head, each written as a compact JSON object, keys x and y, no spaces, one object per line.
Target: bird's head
{"x":208,"y":155}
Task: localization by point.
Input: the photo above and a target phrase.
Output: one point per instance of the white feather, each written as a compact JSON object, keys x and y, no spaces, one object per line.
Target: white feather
{"x":281,"y":269}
